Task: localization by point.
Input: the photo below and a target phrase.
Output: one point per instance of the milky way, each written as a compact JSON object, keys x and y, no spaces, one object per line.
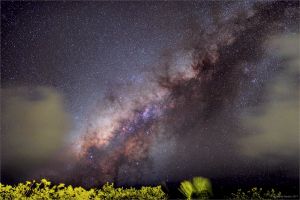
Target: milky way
{"x":182,"y":97}
{"x":178,"y":113}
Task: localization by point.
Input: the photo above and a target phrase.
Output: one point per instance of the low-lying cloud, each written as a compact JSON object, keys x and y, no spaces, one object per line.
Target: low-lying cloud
{"x":275,"y":126}
{"x":34,"y":124}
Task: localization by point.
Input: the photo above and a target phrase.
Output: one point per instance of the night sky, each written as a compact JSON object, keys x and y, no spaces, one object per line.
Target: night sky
{"x":145,"y":92}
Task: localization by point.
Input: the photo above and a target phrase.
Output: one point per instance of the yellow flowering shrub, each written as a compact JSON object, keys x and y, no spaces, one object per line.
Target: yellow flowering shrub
{"x":43,"y":190}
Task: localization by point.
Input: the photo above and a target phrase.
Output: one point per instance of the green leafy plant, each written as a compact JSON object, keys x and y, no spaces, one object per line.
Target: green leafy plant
{"x":187,"y":189}
{"x":256,"y":193}
{"x":202,"y":187}
{"x":44,"y":190}
{"x":199,"y":188}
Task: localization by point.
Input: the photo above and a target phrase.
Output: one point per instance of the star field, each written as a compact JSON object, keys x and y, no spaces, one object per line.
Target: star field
{"x":152,"y":90}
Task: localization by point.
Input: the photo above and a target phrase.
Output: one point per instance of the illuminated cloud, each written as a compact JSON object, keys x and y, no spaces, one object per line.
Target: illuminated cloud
{"x":34,"y":125}
{"x":275,"y":127}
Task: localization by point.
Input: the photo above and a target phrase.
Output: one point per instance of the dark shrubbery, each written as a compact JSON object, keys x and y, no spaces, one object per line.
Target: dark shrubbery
{"x":255,"y":193}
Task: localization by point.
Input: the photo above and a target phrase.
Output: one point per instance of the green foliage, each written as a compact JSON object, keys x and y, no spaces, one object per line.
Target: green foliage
{"x":187,"y":189}
{"x":199,"y":188}
{"x":44,"y":190}
{"x":255,"y":193}
{"x":202,"y":187}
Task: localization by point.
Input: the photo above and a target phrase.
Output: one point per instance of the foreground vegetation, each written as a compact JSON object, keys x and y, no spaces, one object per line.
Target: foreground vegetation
{"x":256,"y":193}
{"x":44,"y":190}
{"x":196,"y":188}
